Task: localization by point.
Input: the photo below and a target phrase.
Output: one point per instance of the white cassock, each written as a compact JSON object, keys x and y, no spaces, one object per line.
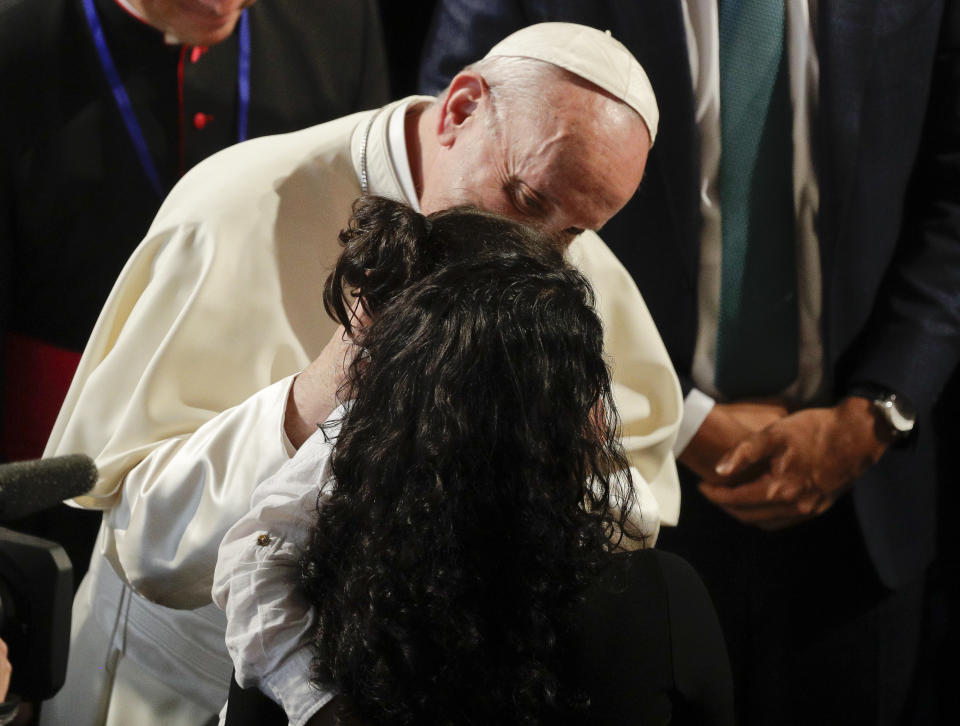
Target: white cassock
{"x":181,"y":391}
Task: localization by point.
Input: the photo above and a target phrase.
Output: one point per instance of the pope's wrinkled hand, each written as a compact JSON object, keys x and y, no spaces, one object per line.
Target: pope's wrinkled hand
{"x":316,"y":390}
{"x":314,"y":394}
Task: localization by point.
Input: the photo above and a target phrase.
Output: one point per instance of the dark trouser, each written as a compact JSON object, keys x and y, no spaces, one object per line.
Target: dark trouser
{"x":813,"y":636}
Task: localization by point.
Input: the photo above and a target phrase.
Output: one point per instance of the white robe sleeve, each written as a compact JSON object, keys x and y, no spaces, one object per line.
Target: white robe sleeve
{"x":268,"y":620}
{"x":178,"y":408}
{"x":181,"y":391}
{"x":645,"y":385}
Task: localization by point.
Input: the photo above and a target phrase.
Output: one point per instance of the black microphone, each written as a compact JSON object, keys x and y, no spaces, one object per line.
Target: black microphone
{"x":29,"y":486}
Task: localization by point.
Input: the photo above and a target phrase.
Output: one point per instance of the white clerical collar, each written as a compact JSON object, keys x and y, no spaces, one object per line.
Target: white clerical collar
{"x":397,"y":141}
{"x":168,"y":37}
{"x":125,"y":4}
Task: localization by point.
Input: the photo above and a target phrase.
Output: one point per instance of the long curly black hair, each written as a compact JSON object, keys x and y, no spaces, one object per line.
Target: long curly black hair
{"x":473,"y":471}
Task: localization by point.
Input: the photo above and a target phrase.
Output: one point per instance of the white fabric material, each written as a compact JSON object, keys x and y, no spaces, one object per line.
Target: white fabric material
{"x":138,"y":698}
{"x":696,"y":407}
{"x":397,"y":138}
{"x":169,"y":37}
{"x":702,"y":31}
{"x":174,"y":396}
{"x":106,"y":682}
{"x":645,"y":385}
{"x":268,"y":621}
{"x":591,"y":54}
{"x":126,"y":5}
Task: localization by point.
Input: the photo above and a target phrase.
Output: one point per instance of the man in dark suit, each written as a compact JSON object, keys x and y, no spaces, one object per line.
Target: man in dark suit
{"x":809,"y":392}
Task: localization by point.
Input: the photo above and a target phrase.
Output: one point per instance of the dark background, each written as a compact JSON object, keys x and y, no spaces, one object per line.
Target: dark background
{"x":405,"y":24}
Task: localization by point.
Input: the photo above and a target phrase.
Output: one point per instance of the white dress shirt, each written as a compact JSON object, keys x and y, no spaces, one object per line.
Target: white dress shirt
{"x":702,"y":31}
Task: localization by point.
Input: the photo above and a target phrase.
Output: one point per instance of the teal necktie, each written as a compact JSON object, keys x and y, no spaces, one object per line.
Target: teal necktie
{"x":757,"y":327}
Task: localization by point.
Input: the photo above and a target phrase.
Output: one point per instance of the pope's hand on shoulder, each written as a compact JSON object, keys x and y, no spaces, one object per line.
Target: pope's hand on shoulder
{"x":314,"y":393}
{"x":795,"y":468}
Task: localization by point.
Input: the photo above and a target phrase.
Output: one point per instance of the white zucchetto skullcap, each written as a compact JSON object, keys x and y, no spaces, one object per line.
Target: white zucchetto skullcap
{"x":592,"y":54}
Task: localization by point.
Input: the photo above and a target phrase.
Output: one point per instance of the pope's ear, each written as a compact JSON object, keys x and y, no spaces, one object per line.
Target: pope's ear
{"x":466,"y":93}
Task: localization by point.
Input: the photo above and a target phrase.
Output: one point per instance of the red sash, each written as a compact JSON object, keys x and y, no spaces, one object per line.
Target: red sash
{"x":36,"y":380}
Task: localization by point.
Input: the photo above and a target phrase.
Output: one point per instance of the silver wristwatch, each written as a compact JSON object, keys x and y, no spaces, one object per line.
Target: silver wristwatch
{"x":894,"y":413}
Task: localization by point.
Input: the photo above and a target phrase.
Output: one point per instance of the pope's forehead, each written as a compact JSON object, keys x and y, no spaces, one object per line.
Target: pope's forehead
{"x":576,"y":171}
{"x":566,"y":145}
{"x":573,"y":114}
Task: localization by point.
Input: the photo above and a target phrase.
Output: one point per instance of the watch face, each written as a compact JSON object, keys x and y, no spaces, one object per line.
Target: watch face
{"x":897,"y":413}
{"x":902,"y":415}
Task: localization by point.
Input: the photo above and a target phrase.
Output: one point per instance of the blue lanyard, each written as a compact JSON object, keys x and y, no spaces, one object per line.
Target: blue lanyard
{"x":126,"y":108}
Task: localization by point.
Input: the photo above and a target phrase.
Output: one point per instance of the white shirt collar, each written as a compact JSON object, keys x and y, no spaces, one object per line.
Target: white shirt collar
{"x":397,"y":140}
{"x":168,"y":37}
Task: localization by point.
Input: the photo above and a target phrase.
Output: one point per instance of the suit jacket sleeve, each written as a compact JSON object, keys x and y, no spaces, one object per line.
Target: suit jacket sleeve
{"x":912,"y":341}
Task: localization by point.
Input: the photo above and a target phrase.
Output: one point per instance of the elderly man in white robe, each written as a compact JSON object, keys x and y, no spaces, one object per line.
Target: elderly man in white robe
{"x":213,"y":359}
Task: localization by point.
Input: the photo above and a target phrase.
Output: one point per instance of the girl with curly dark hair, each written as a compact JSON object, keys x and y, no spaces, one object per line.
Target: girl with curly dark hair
{"x":451,"y":520}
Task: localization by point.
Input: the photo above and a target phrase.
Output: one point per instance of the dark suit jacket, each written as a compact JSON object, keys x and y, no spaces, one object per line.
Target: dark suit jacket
{"x":887,"y":156}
